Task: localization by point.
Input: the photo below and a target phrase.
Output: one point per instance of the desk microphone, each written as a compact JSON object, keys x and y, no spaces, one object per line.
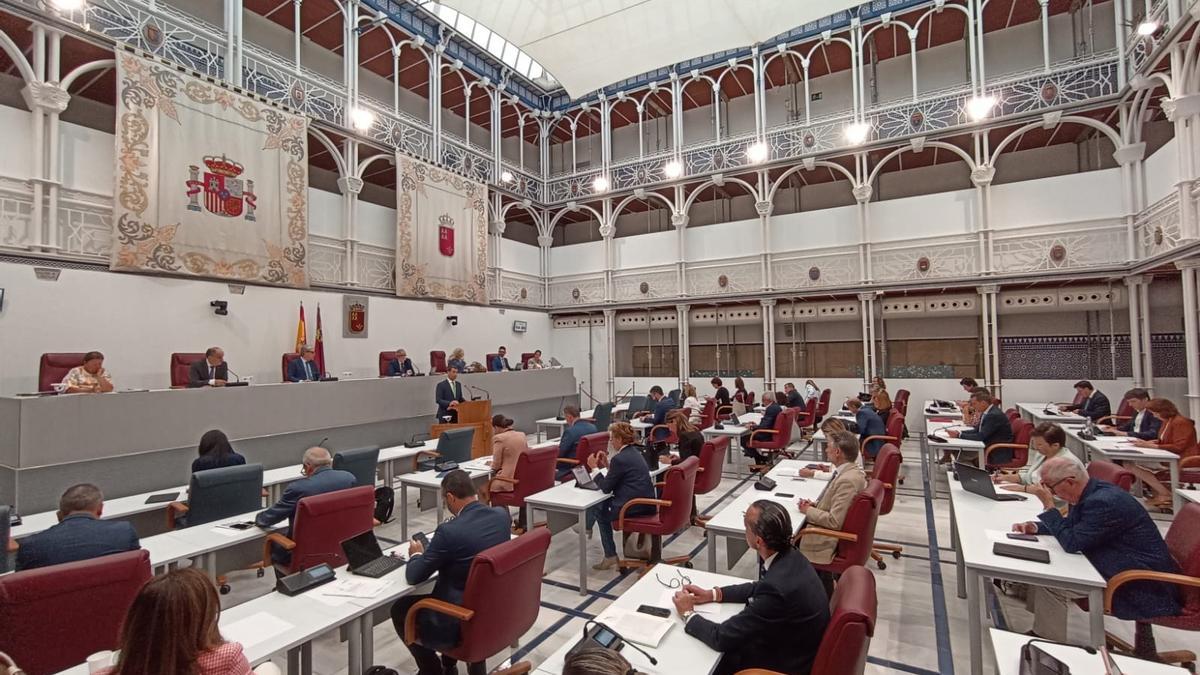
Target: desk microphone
{"x":486,"y":393}
{"x":229,"y":371}
{"x":560,"y":416}
{"x":321,"y":443}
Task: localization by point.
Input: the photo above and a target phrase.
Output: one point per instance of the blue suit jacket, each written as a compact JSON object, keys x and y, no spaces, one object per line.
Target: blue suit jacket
{"x":1115,"y":533}
{"x":453,"y":547}
{"x":498,"y":364}
{"x":398,"y":368}
{"x":993,"y":427}
{"x":324,"y":480}
{"x":768,"y":421}
{"x":1147,"y":430}
{"x":628,"y":478}
{"x":665,"y":405}
{"x":870,"y":424}
{"x":569,"y":441}
{"x":78,"y":537}
{"x":301,"y":370}
{"x":444,"y":394}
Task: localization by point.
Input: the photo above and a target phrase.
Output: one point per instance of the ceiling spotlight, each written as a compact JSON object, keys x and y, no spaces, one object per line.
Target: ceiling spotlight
{"x":857,"y":132}
{"x":600,"y":184}
{"x":507,"y":176}
{"x":758,"y":152}
{"x":362,"y":119}
{"x":67,"y":5}
{"x":1147,"y":28}
{"x":673,"y":169}
{"x":980,"y":107}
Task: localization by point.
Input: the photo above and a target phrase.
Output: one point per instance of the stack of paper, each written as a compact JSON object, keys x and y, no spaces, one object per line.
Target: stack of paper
{"x":637,"y":627}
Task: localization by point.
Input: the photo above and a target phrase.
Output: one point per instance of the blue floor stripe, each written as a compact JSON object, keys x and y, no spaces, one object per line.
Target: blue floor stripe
{"x":941,"y":621}
{"x":575,"y":587}
{"x":902,"y":667}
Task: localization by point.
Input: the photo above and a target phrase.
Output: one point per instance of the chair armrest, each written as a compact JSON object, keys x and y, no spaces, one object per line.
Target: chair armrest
{"x":836,"y":534}
{"x":670,"y":429}
{"x":862,"y":446}
{"x":520,"y":668}
{"x":425,"y":453}
{"x":1114,"y":418}
{"x":275,"y":538}
{"x":433,"y":605}
{"x":765,"y":431}
{"x":511,"y":481}
{"x":174,"y":510}
{"x":722,"y":410}
{"x":567,"y":460}
{"x":1001,"y":446}
{"x":637,"y":502}
{"x":1143,"y":575}
{"x":1189,"y":462}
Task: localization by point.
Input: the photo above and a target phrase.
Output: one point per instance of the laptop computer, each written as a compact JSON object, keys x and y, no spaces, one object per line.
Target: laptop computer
{"x":583,"y":479}
{"x":977,"y":481}
{"x":637,"y":404}
{"x":365,"y":557}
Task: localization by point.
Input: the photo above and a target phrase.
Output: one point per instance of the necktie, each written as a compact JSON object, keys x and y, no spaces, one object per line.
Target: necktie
{"x":308,"y":369}
{"x":762,"y":569}
{"x":212,"y":372}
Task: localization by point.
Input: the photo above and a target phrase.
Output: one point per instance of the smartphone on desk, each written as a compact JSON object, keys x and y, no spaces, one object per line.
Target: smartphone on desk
{"x":1020,"y":536}
{"x":660,"y":612}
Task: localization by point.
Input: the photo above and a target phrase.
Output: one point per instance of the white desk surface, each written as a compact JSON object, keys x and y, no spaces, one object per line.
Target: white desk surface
{"x":1190,"y":495}
{"x":1122,"y":447}
{"x":678,"y":652}
{"x":941,"y":412}
{"x":975,"y":516}
{"x":938,"y":429}
{"x":733,"y":429}
{"x":552,"y":422}
{"x":1038,"y":412}
{"x":432,"y":479}
{"x":566,"y":497}
{"x":1007,"y":647}
{"x":729,"y":522}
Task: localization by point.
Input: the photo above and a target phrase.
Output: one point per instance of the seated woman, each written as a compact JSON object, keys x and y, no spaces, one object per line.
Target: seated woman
{"x":1050,"y":441}
{"x":507,"y":447}
{"x":1177,"y":434}
{"x":216,"y":452}
{"x":739,"y":390}
{"x":881,"y":401}
{"x":628,"y":478}
{"x":691,"y":441}
{"x":457,"y":361}
{"x":811,"y":390}
{"x":762,"y":460}
{"x":171,"y":627}
{"x":535,"y":361}
{"x":691,"y":403}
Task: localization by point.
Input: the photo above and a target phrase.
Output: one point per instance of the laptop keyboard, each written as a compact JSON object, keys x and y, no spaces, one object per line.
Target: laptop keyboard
{"x":379,"y":567}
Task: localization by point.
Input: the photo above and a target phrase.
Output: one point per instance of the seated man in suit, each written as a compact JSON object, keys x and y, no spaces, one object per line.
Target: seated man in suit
{"x":211,"y":371}
{"x":770,"y":414}
{"x":319,"y":477}
{"x":993,"y":426}
{"x":79,"y":534}
{"x":794,"y":399}
{"x":401,"y":366}
{"x":846,"y":480}
{"x":785,"y":614}
{"x":663,"y":404}
{"x":869,"y":423}
{"x":1144,"y":425}
{"x":499,"y":361}
{"x":448,"y":394}
{"x":1113,"y":531}
{"x":1095,"y":404}
{"x":304,"y":369}
{"x":474,"y":528}
{"x":575,"y":429}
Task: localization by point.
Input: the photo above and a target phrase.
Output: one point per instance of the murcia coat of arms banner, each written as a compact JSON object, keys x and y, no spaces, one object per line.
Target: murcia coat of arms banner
{"x":209,"y":183}
{"x":441,"y":234}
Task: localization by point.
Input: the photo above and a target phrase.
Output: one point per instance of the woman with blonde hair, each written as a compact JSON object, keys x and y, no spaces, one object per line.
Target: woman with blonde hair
{"x":880,"y":400}
{"x":457,"y":360}
{"x":628,"y":478}
{"x":691,"y":403}
{"x":1177,"y":434}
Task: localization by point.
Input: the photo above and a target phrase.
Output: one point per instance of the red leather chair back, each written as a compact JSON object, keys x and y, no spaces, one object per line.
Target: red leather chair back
{"x":324,"y":521}
{"x":54,"y":366}
{"x":385,"y":361}
{"x":887,"y":472}
{"x":1183,"y":541}
{"x":589,"y":445}
{"x":900,"y":403}
{"x":180,"y":363}
{"x":749,"y":399}
{"x":806,"y":415}
{"x":1012,"y":414}
{"x":852,"y":610}
{"x":1125,"y":410}
{"x":708,"y":415}
{"x":534,"y":473}
{"x":712,"y":459}
{"x":54,"y":617}
{"x":487,"y":363}
{"x":437,"y":361}
{"x":860,"y":519}
{"x":823,"y":403}
{"x":504,"y":589}
{"x":895,"y":423}
{"x":1110,"y":472}
{"x":1080,"y":397}
{"x":784,"y":423}
{"x":525,"y":356}
{"x":287,"y":361}
{"x":679,"y":485}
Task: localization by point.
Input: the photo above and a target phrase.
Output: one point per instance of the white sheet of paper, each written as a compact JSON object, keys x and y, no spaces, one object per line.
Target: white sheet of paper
{"x":637,"y":627}
{"x":256,"y":628}
{"x":356,"y":587}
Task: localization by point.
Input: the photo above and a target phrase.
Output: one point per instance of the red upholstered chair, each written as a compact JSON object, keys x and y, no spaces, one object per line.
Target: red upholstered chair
{"x":437,"y":361}
{"x":852,"y":609}
{"x":779,"y":436}
{"x":708,"y":474}
{"x":501,"y":600}
{"x":900,"y":403}
{"x":54,"y":366}
{"x":1022,"y":431}
{"x":806,"y":415}
{"x":749,"y":400}
{"x":1012,"y":414}
{"x":1183,"y":541}
{"x":895,"y":432}
{"x":887,"y":471}
{"x":181,"y":362}
{"x":385,"y":361}
{"x":525,"y":356}
{"x":586,"y":447}
{"x":708,"y":414}
{"x":857,"y":536}
{"x":674,"y":513}
{"x":1111,"y":472}
{"x":487,"y":362}
{"x":54,"y":617}
{"x":534,"y":473}
{"x":322,"y":523}
{"x":287,"y":361}
{"x":672,"y":437}
{"x":823,"y":404}
{"x":1125,"y":413}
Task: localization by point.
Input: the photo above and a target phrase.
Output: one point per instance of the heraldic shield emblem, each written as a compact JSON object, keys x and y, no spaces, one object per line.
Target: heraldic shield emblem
{"x":446,"y":235}
{"x":356,"y":317}
{"x":225,"y":194}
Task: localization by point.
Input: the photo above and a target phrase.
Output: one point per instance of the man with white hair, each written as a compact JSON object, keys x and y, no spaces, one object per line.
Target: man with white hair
{"x":1109,"y":527}
{"x":319,"y":477}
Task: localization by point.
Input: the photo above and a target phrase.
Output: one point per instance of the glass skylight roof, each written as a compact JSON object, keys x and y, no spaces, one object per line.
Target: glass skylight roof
{"x":497,"y":46}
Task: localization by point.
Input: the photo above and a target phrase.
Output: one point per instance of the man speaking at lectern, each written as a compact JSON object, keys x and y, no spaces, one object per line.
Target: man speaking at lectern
{"x":448,"y":395}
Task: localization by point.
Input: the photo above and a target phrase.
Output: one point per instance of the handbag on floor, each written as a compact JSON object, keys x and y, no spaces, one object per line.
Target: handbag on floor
{"x":637,"y":546}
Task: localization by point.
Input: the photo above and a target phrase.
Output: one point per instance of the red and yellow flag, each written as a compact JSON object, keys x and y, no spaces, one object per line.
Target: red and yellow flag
{"x":319,"y":345}
{"x":301,"y":331}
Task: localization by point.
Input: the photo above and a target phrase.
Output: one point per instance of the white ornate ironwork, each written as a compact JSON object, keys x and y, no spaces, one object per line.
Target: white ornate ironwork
{"x":657,"y":282}
{"x":832,"y":268}
{"x":1101,"y":244}
{"x":705,"y":279}
{"x":376,"y":267}
{"x":163,"y":31}
{"x":85,"y":225}
{"x":1158,"y":228}
{"x":577,"y":290}
{"x":928,"y":260}
{"x":326,"y":258}
{"x":16,"y":215}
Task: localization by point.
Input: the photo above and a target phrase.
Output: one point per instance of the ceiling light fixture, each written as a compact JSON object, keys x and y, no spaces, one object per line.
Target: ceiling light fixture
{"x":600,"y":184}
{"x":673,"y":169}
{"x":362,"y":119}
{"x":67,"y":5}
{"x":1147,"y":28}
{"x":980,"y":107}
{"x":506,"y":176}
{"x":758,"y":152}
{"x":857,"y":132}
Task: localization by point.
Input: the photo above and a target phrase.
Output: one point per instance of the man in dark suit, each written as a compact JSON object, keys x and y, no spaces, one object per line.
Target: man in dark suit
{"x":869,"y":423}
{"x":993,"y":426}
{"x":574,"y":430}
{"x":79,"y":534}
{"x":628,"y":478}
{"x":319,"y":477}
{"x":794,"y":399}
{"x":786,"y":610}
{"x":663,"y":404}
{"x":211,"y":371}
{"x":401,"y":366}
{"x":769,"y":416}
{"x":474,"y":528}
{"x":448,"y":395}
{"x":1144,"y":424}
{"x":304,"y":369}
{"x":499,"y":361}
{"x":1095,"y":404}
{"x":1113,"y":531}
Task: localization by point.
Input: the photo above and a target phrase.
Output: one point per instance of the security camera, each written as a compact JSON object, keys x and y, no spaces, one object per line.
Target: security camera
{"x":221,"y":307}
{"x":453,"y":319}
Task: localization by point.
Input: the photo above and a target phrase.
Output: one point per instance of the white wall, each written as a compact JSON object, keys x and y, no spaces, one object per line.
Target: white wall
{"x":138,"y":321}
{"x":518,"y":257}
{"x":577,"y":259}
{"x":1162,"y":172}
{"x":1059,"y":199}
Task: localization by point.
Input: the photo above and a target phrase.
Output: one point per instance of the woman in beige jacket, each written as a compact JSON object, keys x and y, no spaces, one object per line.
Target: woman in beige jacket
{"x":507,"y":446}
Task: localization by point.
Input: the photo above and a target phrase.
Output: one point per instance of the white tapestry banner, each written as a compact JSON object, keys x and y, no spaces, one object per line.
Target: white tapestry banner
{"x":209,"y":183}
{"x":441,"y":234}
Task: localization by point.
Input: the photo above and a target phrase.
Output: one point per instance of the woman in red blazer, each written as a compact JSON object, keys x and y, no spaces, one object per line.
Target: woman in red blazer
{"x":1177,"y":434}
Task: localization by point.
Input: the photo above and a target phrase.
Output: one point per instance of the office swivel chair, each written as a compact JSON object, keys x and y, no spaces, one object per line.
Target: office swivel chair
{"x":362,"y":462}
{"x":454,"y":445}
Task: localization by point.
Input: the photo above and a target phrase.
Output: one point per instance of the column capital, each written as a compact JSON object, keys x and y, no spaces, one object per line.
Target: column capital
{"x":607,"y":230}
{"x":1181,"y":107}
{"x":764,"y":208}
{"x":867,"y":296}
{"x":48,"y":97}
{"x":989,"y":289}
{"x":545,"y":240}
{"x":679,"y":220}
{"x":1128,"y":154}
{"x":767,"y":302}
{"x":982,"y":175}
{"x":683,"y":308}
{"x":1190,"y":263}
{"x":862,"y":193}
{"x":498,"y":226}
{"x":350,"y":185}
{"x":609,"y":314}
{"x":1136,"y":280}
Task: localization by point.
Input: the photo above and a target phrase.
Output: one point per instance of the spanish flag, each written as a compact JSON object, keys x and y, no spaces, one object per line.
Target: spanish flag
{"x":301,"y":331}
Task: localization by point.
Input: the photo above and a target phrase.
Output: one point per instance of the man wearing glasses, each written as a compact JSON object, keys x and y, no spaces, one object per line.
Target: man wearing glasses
{"x":1109,"y":527}
{"x":786,"y":610}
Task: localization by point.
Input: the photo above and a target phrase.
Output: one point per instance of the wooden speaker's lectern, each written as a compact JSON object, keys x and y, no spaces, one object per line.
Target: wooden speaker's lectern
{"x":478,"y":416}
